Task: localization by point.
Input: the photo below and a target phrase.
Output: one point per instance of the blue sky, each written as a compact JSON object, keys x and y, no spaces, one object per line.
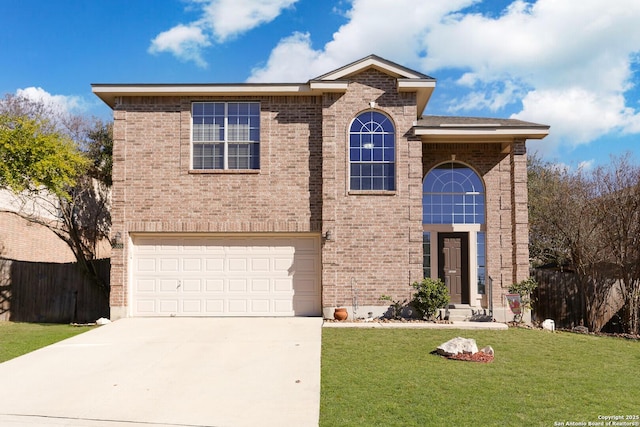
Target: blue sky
{"x":574,"y":65}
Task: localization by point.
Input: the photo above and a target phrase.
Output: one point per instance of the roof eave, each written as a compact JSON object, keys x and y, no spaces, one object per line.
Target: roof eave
{"x":109,"y":92}
{"x":480,"y":134}
{"x":423,"y":89}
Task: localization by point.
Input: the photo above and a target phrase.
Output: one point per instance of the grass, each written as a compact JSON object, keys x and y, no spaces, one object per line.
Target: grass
{"x":17,"y":339}
{"x":373,"y":377}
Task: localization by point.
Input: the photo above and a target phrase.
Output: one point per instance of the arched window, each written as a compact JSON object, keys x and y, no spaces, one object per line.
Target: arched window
{"x":372,"y":152}
{"x":452,"y":194}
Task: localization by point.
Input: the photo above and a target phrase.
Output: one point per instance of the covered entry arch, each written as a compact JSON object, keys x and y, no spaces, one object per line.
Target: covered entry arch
{"x":453,"y":218}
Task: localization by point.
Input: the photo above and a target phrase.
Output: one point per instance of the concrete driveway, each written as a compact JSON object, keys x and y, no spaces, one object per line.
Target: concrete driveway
{"x":170,"y":372}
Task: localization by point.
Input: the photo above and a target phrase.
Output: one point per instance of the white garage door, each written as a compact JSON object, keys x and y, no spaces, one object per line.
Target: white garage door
{"x":225,"y":276}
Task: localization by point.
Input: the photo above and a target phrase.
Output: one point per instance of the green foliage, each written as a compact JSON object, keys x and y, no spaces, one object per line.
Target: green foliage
{"x":35,"y":156}
{"x":524,"y":288}
{"x":430,"y":296}
{"x":99,"y":149}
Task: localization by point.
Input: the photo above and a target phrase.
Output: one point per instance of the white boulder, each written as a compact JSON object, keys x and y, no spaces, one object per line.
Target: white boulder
{"x":458,"y":345}
{"x":102,"y":321}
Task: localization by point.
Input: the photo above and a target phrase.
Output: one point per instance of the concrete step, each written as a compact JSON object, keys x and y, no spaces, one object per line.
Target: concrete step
{"x":459,"y":312}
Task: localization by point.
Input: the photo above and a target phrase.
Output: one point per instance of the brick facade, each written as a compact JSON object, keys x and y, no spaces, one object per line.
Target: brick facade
{"x":302,"y":186}
{"x":377,"y":244}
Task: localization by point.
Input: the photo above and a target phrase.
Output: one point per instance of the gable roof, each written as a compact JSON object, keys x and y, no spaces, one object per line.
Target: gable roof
{"x":334,"y":81}
{"x":407,"y":80}
{"x":380,"y":64}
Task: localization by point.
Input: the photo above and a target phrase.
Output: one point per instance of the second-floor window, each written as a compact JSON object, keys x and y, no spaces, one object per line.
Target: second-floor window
{"x":226,"y":135}
{"x":372,"y":152}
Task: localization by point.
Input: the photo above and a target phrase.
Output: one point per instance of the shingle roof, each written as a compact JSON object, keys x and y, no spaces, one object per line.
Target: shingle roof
{"x":470,"y":122}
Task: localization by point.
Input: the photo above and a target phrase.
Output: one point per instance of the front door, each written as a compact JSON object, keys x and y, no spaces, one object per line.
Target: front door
{"x":453,"y":265}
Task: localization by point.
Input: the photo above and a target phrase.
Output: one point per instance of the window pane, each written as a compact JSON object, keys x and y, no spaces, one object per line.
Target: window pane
{"x":372,"y":142}
{"x":426,"y":254}
{"x":461,"y":192}
{"x":208,"y":125}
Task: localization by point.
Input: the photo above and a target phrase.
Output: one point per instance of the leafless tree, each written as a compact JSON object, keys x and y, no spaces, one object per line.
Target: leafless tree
{"x":589,"y":221}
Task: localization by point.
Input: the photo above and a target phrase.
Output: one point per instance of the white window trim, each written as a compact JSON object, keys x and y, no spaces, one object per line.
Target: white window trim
{"x":225,"y":142}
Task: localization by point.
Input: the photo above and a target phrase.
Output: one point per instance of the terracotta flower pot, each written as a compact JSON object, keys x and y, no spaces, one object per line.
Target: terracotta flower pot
{"x":340,"y":314}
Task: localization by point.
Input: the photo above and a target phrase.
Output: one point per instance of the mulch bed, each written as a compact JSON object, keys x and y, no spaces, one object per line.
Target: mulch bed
{"x":476,"y":357}
{"x":480,"y":357}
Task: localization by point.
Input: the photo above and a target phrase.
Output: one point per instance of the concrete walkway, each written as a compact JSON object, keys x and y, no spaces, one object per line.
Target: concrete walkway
{"x":170,"y":372}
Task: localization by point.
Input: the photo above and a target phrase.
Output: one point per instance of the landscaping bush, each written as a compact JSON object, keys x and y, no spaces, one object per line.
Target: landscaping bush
{"x":430,"y":296}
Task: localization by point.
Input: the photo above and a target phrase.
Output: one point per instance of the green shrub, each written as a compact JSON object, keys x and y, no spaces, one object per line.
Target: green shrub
{"x":430,"y":296}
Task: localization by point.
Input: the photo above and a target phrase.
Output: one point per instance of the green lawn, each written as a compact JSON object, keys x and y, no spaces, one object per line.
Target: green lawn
{"x":373,"y":377}
{"x":17,"y":339}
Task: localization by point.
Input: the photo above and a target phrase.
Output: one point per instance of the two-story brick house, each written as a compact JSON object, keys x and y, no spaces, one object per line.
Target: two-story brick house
{"x":294,"y":199}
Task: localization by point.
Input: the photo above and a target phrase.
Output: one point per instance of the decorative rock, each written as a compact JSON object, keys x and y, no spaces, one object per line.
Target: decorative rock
{"x":102,"y":321}
{"x":581,"y":329}
{"x":458,"y":345}
{"x":549,"y":325}
{"x":488,"y":350}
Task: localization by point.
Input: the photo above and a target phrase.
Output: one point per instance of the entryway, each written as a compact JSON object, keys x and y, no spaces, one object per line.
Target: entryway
{"x":453,"y":265}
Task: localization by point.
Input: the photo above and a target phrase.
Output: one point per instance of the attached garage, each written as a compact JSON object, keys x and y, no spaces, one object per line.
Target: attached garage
{"x":218,"y":275}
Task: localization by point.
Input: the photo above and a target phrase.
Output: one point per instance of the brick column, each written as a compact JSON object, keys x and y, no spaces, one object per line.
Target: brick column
{"x":520,"y":214}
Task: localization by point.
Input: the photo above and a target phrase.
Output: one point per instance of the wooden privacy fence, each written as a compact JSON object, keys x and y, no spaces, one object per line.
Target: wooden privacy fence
{"x":51,"y":293}
{"x":558,"y":297}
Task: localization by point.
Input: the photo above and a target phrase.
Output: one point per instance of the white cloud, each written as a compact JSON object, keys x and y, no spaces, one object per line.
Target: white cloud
{"x":560,"y":63}
{"x":184,"y":42}
{"x":220,"y":20}
{"x":391,"y":29}
{"x":228,"y":18}
{"x":61,"y":104}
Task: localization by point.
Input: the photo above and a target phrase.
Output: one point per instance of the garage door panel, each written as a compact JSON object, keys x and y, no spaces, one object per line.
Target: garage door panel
{"x":214,"y":285}
{"x":169,"y":265}
{"x":192,"y":264}
{"x":282,"y":306}
{"x":214,"y":265}
{"x":168,"y":306}
{"x":237,"y":285}
{"x":282,"y":285}
{"x":214,"y":307}
{"x":192,"y":285}
{"x":282,"y":264}
{"x":223,"y":276}
{"x":237,"y":265}
{"x":238,"y":306}
{"x":306,"y":285}
{"x":146,"y":307}
{"x":260,"y":285}
{"x":145,"y":285}
{"x":169,"y":286}
{"x":305,"y":264}
{"x":192,"y":307}
{"x":260,"y":305}
{"x":145,"y":265}
{"x":262,"y":264}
